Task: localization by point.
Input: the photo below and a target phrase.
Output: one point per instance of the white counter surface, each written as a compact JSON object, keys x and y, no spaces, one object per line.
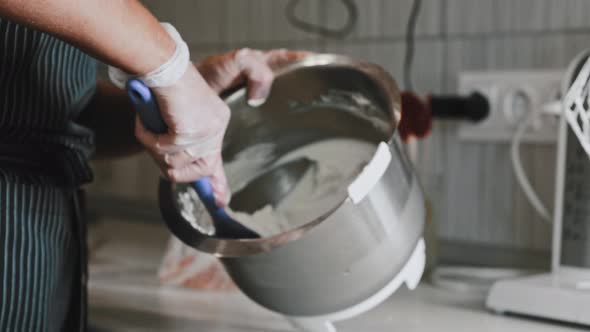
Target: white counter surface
{"x":125,"y":296}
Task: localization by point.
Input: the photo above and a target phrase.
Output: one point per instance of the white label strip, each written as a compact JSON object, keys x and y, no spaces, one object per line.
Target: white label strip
{"x":370,"y":174}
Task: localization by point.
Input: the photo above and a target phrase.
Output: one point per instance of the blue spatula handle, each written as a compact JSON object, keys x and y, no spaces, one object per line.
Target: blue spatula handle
{"x":205,"y":191}
{"x":149,"y":113}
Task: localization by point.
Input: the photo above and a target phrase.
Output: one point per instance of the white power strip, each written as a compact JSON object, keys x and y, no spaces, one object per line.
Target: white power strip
{"x":512,"y":96}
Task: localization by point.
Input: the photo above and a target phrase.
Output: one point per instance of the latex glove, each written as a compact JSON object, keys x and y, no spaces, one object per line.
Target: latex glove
{"x":253,"y":67}
{"x":196,"y":119}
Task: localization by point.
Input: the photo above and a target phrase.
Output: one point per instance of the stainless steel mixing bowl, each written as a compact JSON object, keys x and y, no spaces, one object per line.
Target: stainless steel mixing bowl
{"x":348,"y":254}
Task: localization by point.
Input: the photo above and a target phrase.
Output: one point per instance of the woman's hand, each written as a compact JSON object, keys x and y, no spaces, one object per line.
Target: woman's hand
{"x":252,"y":67}
{"x":196,"y":119}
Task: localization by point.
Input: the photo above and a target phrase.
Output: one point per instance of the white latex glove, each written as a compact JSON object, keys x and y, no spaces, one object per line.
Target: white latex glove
{"x":196,"y":119}
{"x":253,"y":67}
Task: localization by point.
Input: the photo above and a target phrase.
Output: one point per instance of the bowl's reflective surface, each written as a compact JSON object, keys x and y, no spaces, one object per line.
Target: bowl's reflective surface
{"x":319,"y":97}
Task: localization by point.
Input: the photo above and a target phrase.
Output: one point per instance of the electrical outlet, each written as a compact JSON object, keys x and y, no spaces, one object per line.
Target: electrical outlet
{"x":512,"y":95}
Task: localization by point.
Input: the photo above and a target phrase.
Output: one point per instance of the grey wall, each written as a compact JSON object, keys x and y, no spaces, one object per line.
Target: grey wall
{"x":471,"y":185}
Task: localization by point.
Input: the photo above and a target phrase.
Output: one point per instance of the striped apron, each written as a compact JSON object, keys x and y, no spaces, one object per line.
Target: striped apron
{"x":44,"y":85}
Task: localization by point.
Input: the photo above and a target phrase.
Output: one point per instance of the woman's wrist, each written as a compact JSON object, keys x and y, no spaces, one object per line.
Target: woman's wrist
{"x":161,"y":48}
{"x":167,"y":73}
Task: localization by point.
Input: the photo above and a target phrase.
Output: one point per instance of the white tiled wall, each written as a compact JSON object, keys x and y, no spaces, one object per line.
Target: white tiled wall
{"x":474,"y":194}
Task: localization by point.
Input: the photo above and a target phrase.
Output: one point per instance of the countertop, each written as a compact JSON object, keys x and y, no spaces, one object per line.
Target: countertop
{"x":126,"y":296}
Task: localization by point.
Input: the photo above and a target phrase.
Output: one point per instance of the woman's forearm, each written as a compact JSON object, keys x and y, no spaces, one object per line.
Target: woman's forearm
{"x":121,"y":33}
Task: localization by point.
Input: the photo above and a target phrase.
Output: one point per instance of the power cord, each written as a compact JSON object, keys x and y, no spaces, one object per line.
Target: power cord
{"x":480,"y":279}
{"x":519,"y":172}
{"x":410,"y":44}
{"x":348,"y":27}
{"x":323,"y":31}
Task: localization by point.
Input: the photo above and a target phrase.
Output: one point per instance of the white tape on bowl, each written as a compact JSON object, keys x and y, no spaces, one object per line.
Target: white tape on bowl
{"x":370,"y":174}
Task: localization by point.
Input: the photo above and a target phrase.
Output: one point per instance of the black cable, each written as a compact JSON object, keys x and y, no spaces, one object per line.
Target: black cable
{"x":323,"y":31}
{"x":410,"y":44}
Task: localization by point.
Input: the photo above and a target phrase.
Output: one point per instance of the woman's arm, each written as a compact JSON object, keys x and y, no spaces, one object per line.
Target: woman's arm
{"x":121,"y":33}
{"x":111,"y":116}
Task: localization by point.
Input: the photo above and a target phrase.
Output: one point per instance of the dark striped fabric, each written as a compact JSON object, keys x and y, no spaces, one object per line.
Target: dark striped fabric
{"x":44,"y":84}
{"x":38,"y":252}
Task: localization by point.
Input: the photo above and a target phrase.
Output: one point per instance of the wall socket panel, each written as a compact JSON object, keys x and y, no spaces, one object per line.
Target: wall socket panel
{"x":511,"y":95}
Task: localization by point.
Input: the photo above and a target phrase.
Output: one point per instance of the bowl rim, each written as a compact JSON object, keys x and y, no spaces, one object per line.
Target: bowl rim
{"x":228,"y":248}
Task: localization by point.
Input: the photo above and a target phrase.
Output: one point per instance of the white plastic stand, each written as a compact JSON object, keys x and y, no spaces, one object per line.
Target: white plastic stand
{"x":564,"y":293}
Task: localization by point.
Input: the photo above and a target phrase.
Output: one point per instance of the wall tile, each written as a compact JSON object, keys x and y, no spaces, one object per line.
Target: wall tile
{"x":520,"y":15}
{"x":428,"y":64}
{"x":395,"y":16}
{"x":369,"y":22}
{"x":524,"y":52}
{"x":306,"y":45}
{"x":428,"y":67}
{"x":431,"y":169}
{"x":506,"y":53}
{"x":577,"y":13}
{"x":163,"y":10}
{"x":238,"y":21}
{"x":281,"y":30}
{"x":481,"y":201}
{"x":469,"y":16}
{"x":473,"y":17}
{"x":495,"y":215}
{"x":463,"y":197}
{"x":202,"y":21}
{"x":250,"y":21}
{"x":573,"y":44}
{"x":384,"y":18}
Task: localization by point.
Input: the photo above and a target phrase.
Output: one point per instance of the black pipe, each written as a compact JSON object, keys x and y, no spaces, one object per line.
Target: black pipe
{"x":474,"y":107}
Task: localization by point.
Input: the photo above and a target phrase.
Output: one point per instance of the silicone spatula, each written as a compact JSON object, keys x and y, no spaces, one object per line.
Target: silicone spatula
{"x":147,"y":108}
